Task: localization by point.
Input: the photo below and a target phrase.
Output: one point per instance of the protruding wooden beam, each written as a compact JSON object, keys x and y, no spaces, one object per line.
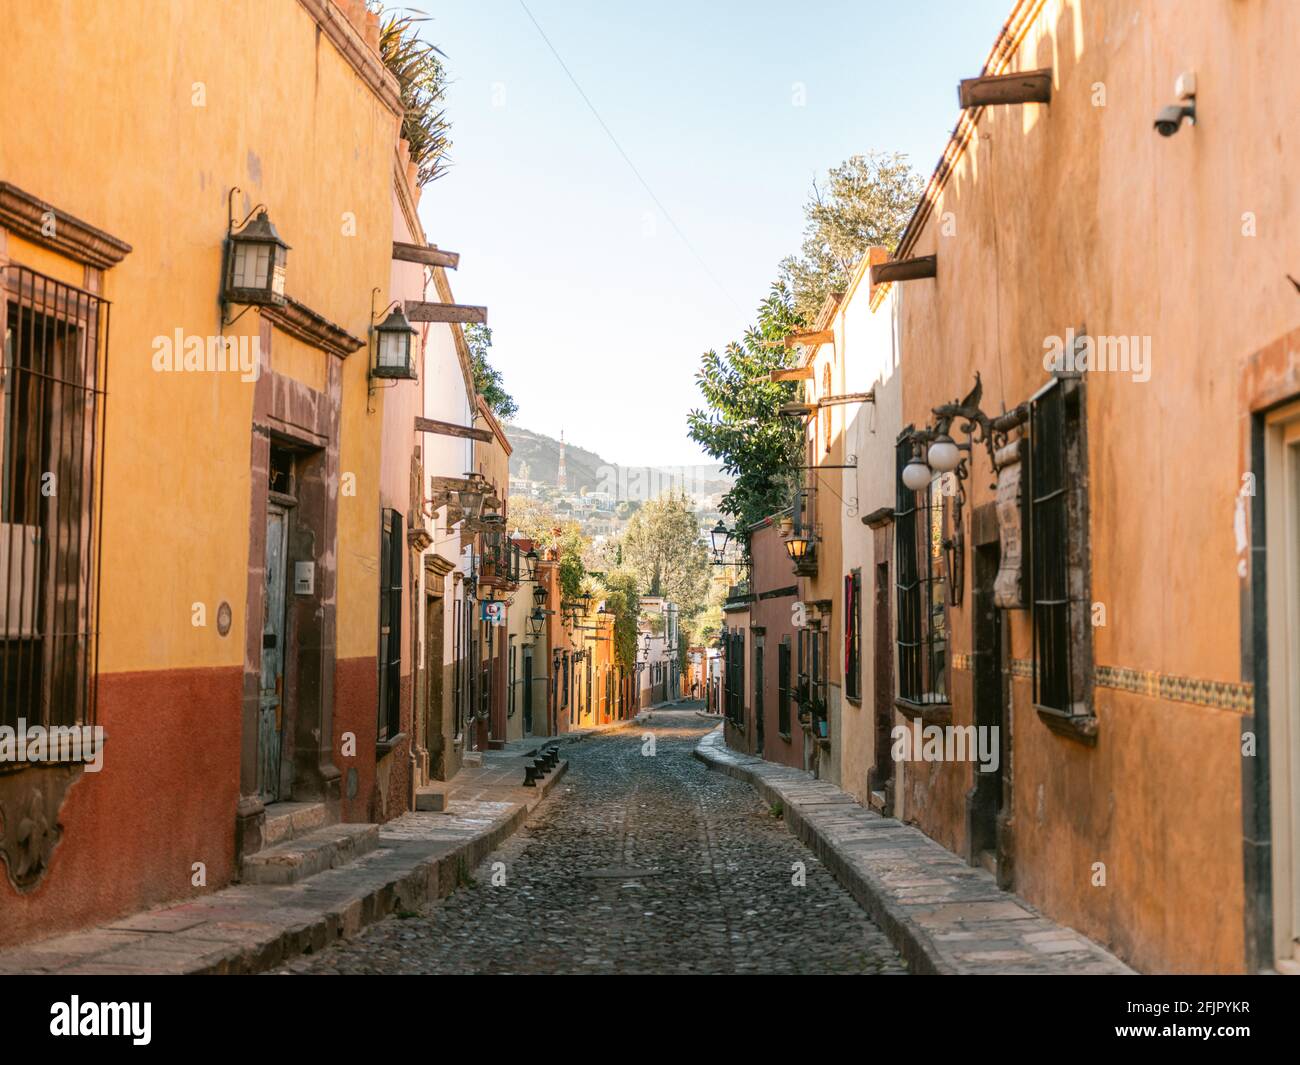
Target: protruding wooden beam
{"x":847,"y":397}
{"x":794,"y":373}
{"x":1027,"y":87}
{"x":796,"y":410}
{"x":905,"y":269}
{"x":445,"y":312}
{"x":425,"y":253}
{"x":820,"y":336}
{"x":429,"y":425}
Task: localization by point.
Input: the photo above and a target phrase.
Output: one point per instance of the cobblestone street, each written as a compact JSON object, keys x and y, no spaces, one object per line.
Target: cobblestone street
{"x":636,"y":864}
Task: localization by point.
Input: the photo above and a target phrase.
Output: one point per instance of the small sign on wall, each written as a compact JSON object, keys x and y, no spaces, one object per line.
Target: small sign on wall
{"x":1009,"y":586}
{"x":494,"y":611}
{"x":304,"y":578}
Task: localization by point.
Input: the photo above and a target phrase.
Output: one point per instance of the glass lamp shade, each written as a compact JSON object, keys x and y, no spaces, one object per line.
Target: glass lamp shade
{"x":944,"y":456}
{"x":535,"y":622}
{"x":395,"y":341}
{"x":719,"y":536}
{"x":916,"y":475}
{"x":471,"y":502}
{"x":532,"y":558}
{"x":540,"y":594}
{"x":257,"y":258}
{"x":797,"y":548}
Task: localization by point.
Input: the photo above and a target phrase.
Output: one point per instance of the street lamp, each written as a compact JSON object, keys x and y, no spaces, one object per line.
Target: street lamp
{"x":720,"y":536}
{"x":395,"y":345}
{"x":535,"y":622}
{"x":530,"y":560}
{"x":471,"y":499}
{"x":255,"y":259}
{"x":797,"y":545}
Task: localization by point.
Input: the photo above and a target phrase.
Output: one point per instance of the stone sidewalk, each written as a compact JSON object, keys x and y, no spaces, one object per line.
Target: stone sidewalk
{"x":249,"y":928}
{"x":942,"y":915}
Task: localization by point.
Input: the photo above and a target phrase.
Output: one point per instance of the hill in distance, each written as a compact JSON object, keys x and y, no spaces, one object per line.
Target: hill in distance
{"x":586,"y":469}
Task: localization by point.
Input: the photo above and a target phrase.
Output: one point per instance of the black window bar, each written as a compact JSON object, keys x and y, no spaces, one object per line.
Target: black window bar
{"x":1049,"y":550}
{"x":390,"y":626}
{"x":920,"y":519}
{"x":53,"y":374}
{"x":783,"y":687}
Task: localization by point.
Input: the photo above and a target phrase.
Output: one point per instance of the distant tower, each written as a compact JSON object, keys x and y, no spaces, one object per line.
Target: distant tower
{"x":561,"y":477}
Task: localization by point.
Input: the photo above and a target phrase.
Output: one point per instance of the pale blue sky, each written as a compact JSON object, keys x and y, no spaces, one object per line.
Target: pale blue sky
{"x":599,"y":310}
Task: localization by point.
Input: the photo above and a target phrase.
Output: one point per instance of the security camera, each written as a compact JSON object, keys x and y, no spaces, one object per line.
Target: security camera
{"x":1171,"y":117}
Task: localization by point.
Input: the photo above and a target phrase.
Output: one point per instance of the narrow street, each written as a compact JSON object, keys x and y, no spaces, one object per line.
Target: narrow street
{"x":636,"y":864}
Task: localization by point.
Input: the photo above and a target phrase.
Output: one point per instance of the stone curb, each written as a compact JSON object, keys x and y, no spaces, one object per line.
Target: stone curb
{"x":251,"y":928}
{"x":943,"y":916}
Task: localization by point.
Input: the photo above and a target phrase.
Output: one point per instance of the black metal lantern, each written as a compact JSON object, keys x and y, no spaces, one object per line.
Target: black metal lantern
{"x":540,"y":595}
{"x":796,"y":546}
{"x":255,"y":261}
{"x":535,"y":622}
{"x":720,"y":536}
{"x":531,"y":558}
{"x":584,"y":602}
{"x":395,"y":346}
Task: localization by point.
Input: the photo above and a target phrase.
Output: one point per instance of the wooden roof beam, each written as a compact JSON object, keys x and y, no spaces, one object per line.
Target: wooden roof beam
{"x":417,"y":311}
{"x":794,"y":373}
{"x":1026,"y":87}
{"x":430,"y":425}
{"x":847,"y":397}
{"x":905,"y":269}
{"x":819,"y":336}
{"x":427,"y":254}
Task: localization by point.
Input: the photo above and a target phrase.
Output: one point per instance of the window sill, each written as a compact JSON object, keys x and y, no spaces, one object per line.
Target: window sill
{"x":1081,"y":728}
{"x":383,"y":748}
{"x":929,"y":713}
{"x":856,"y":700}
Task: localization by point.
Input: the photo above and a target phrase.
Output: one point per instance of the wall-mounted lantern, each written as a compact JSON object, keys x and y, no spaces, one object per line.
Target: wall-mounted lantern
{"x":394,"y":345}
{"x":797,"y":546}
{"x":255,"y":259}
{"x":540,"y":595}
{"x":531,"y":558}
{"x":535,"y":622}
{"x":470,"y":499}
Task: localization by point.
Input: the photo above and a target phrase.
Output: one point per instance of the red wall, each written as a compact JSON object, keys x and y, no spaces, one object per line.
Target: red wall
{"x":164,"y":799}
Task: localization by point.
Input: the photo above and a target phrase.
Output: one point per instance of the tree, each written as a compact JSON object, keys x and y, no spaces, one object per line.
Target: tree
{"x":740,"y":424}
{"x":488,"y":381}
{"x":662,"y":547}
{"x":622,"y":595}
{"x":866,"y":200}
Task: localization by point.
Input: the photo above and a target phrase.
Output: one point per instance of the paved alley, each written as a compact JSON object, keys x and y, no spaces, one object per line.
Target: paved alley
{"x":638,"y":863}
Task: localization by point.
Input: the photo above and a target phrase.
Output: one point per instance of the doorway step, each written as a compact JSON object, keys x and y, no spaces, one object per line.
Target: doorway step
{"x":311,"y":853}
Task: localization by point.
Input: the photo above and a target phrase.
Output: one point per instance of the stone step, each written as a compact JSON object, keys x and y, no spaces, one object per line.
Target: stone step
{"x":290,"y":820}
{"x":304,"y":856}
{"x":431,"y":799}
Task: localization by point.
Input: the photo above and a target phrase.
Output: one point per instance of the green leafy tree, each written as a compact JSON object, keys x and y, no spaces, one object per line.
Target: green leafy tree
{"x":866,"y":200}
{"x":487,"y":380}
{"x":740,"y":424}
{"x":622,"y":596}
{"x":662,"y":547}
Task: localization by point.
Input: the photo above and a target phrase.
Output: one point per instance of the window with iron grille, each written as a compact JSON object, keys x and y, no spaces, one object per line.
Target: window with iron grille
{"x":510,"y":711}
{"x":852,"y":637}
{"x":1058,"y":494}
{"x":920,"y":520}
{"x":783,"y":687}
{"x":735,"y":677}
{"x":390,"y":626}
{"x":53,"y":365}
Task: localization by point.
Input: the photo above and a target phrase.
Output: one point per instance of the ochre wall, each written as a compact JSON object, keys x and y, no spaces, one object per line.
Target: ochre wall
{"x":117,"y":141}
{"x":1078,"y":215}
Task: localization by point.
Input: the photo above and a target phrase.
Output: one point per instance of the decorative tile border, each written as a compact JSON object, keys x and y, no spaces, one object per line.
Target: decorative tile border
{"x":1219,"y":694}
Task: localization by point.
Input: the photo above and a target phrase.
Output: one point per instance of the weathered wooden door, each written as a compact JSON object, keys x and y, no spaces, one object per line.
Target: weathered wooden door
{"x":271,"y":705}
